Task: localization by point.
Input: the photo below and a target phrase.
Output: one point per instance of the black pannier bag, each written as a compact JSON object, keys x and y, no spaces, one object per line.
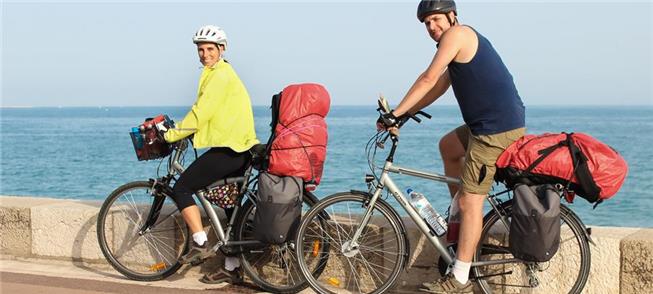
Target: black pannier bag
{"x":535,"y":225}
{"x":278,"y":209}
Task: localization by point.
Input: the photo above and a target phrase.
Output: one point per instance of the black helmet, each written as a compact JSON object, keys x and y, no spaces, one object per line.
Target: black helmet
{"x":428,"y":7}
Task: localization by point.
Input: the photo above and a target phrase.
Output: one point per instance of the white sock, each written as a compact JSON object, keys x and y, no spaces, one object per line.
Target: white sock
{"x":231,"y":263}
{"x":200,"y":238}
{"x":461,"y":271}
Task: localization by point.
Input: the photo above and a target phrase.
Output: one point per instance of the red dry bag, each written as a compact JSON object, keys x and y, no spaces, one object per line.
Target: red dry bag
{"x":297,"y":146}
{"x":591,"y":168}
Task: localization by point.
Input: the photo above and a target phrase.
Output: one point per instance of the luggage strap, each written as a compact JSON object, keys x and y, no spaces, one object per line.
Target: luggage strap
{"x":581,"y":169}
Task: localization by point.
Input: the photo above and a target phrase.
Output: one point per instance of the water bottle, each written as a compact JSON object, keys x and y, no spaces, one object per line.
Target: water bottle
{"x":433,"y":219}
{"x":137,"y":137}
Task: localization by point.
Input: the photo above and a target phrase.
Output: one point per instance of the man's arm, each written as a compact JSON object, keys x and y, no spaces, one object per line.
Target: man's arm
{"x":450,"y":45}
{"x":436,"y":92}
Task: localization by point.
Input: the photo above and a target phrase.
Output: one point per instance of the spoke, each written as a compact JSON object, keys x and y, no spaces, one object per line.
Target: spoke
{"x":160,"y":220}
{"x":134,"y":205}
{"x":337,"y":230}
{"x":370,"y":270}
{"x":381,"y":242}
{"x":295,"y":269}
{"x":155,"y":238}
{"x":362,"y":258}
{"x":287,"y":264}
{"x":157,"y":250}
{"x":163,"y":230}
{"x":127,"y":214}
{"x":383,"y":255}
{"x":353,"y":271}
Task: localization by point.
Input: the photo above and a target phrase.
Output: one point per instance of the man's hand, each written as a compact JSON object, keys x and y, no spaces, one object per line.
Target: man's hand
{"x":387,"y":121}
{"x":390,"y":122}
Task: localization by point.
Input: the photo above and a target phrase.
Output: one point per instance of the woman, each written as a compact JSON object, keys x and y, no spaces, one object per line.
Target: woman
{"x":220,"y":119}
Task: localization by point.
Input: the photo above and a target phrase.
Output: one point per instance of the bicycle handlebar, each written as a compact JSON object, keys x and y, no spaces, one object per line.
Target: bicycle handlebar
{"x":384,"y":108}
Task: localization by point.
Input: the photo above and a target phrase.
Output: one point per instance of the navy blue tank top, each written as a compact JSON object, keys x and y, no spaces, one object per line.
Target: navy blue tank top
{"x":486,"y":93}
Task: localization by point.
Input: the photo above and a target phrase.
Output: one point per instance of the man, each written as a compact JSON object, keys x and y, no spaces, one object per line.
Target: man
{"x":494,"y":118}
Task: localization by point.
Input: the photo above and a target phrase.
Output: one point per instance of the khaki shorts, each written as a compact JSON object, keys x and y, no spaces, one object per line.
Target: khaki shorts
{"x":481,"y":156}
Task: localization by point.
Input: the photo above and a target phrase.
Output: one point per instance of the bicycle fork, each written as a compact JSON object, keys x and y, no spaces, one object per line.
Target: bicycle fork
{"x":159,"y":198}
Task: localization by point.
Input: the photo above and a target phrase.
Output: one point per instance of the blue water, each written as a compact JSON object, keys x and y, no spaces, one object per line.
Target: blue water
{"x":84,"y":153}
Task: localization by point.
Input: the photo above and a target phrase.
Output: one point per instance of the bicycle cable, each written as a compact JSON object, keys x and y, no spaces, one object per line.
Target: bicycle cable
{"x":371,"y":147}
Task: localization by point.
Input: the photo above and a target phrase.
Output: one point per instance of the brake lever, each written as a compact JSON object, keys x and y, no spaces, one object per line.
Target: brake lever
{"x":381,"y":143}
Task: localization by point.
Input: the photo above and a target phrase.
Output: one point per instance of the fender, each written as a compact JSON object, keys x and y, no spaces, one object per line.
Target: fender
{"x":587,"y":231}
{"x":312,"y":199}
{"x":402,"y":227}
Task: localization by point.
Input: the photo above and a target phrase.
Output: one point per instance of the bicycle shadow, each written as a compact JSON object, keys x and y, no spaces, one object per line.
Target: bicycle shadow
{"x":86,"y":253}
{"x":86,"y":236}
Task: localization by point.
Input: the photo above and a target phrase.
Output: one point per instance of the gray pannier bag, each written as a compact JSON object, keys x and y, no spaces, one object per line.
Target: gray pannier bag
{"x":278,"y":209}
{"x":535,"y":225}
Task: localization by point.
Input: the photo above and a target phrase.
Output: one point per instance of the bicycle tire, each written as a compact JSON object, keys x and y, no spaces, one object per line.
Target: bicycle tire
{"x":552,"y":275}
{"x":148,"y":257}
{"x":381,"y":246}
{"x":264,"y":263}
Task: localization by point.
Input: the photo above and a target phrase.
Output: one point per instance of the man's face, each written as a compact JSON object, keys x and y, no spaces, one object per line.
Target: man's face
{"x":209,"y":53}
{"x":437,"y":24}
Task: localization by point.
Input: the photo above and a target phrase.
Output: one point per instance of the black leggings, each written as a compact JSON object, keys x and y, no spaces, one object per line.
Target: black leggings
{"x":215,"y":164}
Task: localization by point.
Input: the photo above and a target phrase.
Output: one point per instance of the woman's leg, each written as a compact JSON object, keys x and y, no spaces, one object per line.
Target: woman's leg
{"x":217,"y":163}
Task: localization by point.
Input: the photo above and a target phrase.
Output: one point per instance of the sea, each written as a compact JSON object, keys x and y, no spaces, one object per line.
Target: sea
{"x":86,"y":152}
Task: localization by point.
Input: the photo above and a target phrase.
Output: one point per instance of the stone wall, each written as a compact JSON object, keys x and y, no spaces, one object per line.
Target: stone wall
{"x":622,"y":260}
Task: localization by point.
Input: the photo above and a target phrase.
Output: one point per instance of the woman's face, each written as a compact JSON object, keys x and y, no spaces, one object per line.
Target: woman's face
{"x":209,"y":53}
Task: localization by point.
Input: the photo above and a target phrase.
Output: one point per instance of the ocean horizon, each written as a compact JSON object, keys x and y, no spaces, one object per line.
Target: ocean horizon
{"x":85,"y":152}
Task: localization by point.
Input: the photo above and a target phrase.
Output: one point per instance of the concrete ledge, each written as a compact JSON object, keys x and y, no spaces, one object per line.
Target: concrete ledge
{"x":622,"y":260}
{"x":637,"y":262}
{"x":15,"y":231}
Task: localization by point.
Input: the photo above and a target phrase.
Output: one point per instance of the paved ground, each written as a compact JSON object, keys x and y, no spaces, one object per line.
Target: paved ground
{"x":27,"y":276}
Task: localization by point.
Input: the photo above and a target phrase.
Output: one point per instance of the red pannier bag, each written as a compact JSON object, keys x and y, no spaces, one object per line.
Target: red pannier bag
{"x":591,"y":169}
{"x":297,"y":146}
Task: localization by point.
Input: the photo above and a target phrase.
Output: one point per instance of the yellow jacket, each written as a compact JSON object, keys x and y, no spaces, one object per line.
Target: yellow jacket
{"x":222,"y":115}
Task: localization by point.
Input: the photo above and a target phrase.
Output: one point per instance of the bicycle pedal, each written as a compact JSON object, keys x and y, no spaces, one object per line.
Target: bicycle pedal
{"x":197,"y":262}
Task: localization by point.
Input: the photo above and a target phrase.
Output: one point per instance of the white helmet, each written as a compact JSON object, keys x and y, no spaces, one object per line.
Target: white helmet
{"x":211,"y":34}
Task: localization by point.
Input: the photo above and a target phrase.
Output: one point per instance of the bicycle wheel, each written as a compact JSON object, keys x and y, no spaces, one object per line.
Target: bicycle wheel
{"x":566,"y":272}
{"x":143,"y":255}
{"x":375,"y":261}
{"x":272,"y":267}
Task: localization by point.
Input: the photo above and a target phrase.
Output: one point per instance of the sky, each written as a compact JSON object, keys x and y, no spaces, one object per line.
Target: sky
{"x":139,"y":53}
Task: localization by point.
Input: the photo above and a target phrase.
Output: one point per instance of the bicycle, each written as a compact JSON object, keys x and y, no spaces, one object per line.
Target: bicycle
{"x":142,"y":233}
{"x":369,"y":243}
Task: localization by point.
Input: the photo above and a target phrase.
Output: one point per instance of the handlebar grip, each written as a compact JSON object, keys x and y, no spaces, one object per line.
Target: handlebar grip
{"x":415,"y":118}
{"x":424,"y":114}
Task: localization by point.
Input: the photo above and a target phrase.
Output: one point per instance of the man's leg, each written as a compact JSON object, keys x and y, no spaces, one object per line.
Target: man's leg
{"x":452,"y":149}
{"x":477,"y":178}
{"x":471,"y":208}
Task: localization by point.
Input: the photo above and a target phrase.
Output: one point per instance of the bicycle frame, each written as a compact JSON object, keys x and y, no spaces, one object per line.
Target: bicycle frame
{"x":175,"y":167}
{"x":385,"y":181}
